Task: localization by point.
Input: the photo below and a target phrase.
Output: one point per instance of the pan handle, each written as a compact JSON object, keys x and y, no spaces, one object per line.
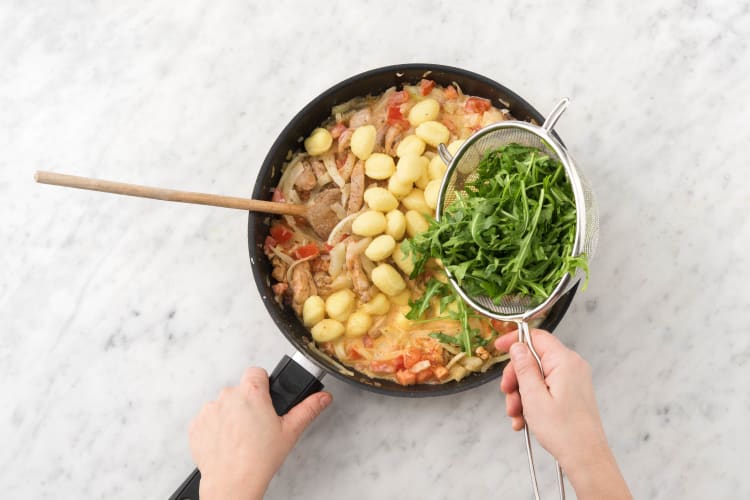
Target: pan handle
{"x":292,"y":380}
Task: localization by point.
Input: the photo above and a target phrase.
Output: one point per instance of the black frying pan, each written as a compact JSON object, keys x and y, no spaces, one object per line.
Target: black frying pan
{"x":295,"y":379}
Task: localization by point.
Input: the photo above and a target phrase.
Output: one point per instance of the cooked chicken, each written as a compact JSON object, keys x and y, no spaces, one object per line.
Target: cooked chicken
{"x":357,"y":189}
{"x":302,"y":286}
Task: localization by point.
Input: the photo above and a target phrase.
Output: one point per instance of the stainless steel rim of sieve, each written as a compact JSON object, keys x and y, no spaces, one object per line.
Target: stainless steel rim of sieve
{"x":520,"y":310}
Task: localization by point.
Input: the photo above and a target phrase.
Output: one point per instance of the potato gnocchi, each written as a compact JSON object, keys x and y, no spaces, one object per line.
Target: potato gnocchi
{"x":375,"y":160}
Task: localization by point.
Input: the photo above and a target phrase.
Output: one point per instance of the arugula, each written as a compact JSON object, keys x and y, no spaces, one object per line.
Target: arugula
{"x":511,"y":230}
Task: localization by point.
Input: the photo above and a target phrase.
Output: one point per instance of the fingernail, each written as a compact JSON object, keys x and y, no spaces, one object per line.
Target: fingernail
{"x":518,"y":351}
{"x":324,"y":400}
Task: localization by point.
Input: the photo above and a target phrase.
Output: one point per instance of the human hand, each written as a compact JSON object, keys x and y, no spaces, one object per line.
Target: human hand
{"x":561,"y":410}
{"x":239,"y":442}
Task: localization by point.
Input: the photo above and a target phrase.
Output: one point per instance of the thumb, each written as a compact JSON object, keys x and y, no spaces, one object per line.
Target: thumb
{"x":531,"y":384}
{"x":302,"y":415}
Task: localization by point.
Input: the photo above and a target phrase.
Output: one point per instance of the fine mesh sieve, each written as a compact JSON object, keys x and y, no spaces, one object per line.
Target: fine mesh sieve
{"x":462,"y":169}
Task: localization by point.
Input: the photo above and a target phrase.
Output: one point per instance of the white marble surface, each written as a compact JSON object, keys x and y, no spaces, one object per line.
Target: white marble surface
{"x":120,"y":317}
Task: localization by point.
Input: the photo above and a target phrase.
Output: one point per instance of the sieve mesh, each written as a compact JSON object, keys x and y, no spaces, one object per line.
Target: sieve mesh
{"x":462,"y":169}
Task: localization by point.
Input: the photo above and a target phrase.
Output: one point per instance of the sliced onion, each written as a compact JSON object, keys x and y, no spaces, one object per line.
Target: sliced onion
{"x":344,"y":226}
{"x":455,"y":359}
{"x":289,"y":177}
{"x":294,"y":264}
{"x":358,"y":247}
{"x":339,"y":349}
{"x":420,"y":365}
{"x":345,"y":191}
{"x":338,"y":210}
{"x":367,"y":265}
{"x":338,"y":259}
{"x":293,"y":197}
{"x":332,"y":170}
{"x":281,"y":255}
{"x":341,"y":368}
{"x":324,"y":179}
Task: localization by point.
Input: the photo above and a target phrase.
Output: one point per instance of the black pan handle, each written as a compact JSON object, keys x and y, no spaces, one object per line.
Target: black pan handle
{"x":291,"y":381}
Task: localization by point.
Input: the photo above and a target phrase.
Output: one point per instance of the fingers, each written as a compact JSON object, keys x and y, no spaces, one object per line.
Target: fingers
{"x":255,"y":379}
{"x":513,"y":407}
{"x":302,"y":415}
{"x":543,"y":341}
{"x":530,"y":381}
{"x":517,"y":423}
{"x":509,"y":382}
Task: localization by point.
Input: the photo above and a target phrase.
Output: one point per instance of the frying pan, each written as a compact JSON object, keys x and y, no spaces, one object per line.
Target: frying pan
{"x":299,"y":376}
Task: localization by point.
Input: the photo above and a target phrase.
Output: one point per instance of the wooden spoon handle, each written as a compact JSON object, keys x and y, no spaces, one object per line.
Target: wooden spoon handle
{"x":169,"y":194}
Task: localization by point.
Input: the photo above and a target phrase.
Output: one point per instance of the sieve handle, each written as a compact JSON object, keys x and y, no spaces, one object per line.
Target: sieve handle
{"x":555,"y":114}
{"x":444,"y":154}
{"x":524,"y":336}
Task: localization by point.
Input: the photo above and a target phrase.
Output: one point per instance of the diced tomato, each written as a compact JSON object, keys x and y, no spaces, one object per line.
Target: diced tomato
{"x":387,"y":365}
{"x":411,"y":357}
{"x":278,"y":196}
{"x":353,"y":352}
{"x":425,"y":375}
{"x":426,"y":86}
{"x":395,"y":117}
{"x":281,"y":233}
{"x":449,"y":125}
{"x":306,"y":251}
{"x":440,"y":372}
{"x":367,"y":341}
{"x":269,"y":243}
{"x":337,"y":130}
{"x":398,"y":98}
{"x":405,"y":377}
{"x":503,"y":327}
{"x":477,"y":105}
{"x":450,"y":92}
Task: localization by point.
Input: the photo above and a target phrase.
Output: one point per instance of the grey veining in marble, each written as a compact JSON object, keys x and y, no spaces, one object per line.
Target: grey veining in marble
{"x":120,"y":317}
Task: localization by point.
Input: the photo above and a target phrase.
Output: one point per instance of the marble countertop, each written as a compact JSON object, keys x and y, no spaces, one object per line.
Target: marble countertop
{"x":120,"y":317}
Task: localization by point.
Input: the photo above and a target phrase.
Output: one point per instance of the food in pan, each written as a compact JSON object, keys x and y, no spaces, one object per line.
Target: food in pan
{"x":374,"y":163}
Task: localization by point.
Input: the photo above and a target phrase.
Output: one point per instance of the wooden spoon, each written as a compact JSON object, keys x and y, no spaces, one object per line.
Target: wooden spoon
{"x":317,"y":212}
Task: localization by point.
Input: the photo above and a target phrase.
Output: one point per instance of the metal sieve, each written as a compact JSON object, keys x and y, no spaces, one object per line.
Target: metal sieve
{"x":462,"y":170}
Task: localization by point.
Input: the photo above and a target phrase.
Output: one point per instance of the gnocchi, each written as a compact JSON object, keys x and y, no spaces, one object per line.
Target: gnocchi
{"x":433,"y":133}
{"x":378,"y":305}
{"x":395,"y":224}
{"x":327,"y":330}
{"x":388,"y":280}
{"x":380,"y":248}
{"x":379,"y":166}
{"x":339,"y":305}
{"x":369,"y":223}
{"x":363,"y":141}
{"x":411,"y":145}
{"x":380,"y":199}
{"x":437,"y":168}
{"x":313,"y":310}
{"x":415,"y":200}
{"x":404,"y":262}
{"x":398,"y":186}
{"x":424,"y":111}
{"x":409,"y":168}
{"x":358,"y":324}
{"x":319,"y":142}
{"x":415,"y":223}
{"x":431,"y":193}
